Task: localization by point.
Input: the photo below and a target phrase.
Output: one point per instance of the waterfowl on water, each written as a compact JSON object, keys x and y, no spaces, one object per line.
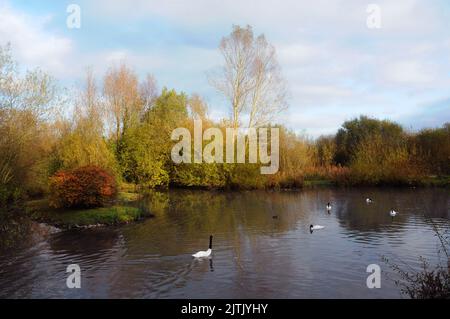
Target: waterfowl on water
{"x":393,"y":213}
{"x":206,"y":253}
{"x":315,"y":227}
{"x":369,"y":200}
{"x":275,"y":217}
{"x":328,"y":207}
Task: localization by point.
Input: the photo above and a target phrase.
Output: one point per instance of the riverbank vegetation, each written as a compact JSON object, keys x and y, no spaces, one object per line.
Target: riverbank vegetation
{"x":432,"y":281}
{"x":85,"y":197}
{"x":122,"y":125}
{"x":117,"y":214}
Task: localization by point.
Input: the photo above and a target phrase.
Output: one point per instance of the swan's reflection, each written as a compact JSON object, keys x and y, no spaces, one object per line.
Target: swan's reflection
{"x":201,"y":261}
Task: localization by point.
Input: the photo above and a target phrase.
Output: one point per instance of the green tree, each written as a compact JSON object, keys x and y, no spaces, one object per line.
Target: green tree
{"x":145,"y":157}
{"x":326,"y":150}
{"x":354,"y":132}
{"x":26,"y":102}
{"x":376,"y":162}
{"x":433,"y":147}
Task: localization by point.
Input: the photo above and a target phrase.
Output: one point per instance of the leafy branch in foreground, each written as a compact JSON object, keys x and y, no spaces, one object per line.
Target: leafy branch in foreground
{"x":432,"y":282}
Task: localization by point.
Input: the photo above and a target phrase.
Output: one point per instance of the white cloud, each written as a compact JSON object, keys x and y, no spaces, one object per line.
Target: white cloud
{"x":316,"y":95}
{"x":336,"y":67}
{"x":32,"y":45}
{"x":410,"y":73}
{"x":410,"y":16}
{"x":291,"y":16}
{"x":298,"y":53}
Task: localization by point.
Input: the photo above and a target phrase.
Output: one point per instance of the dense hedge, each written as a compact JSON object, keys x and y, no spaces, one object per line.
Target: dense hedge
{"x":86,"y":187}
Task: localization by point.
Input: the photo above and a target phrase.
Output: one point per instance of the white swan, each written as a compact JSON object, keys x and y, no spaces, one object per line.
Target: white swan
{"x":315,"y":227}
{"x":207,"y":253}
{"x":393,"y":213}
{"x":369,"y":200}
{"x":328,"y":207}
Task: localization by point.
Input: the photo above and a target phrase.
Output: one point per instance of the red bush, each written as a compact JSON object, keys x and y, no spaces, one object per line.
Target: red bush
{"x":85,"y":187}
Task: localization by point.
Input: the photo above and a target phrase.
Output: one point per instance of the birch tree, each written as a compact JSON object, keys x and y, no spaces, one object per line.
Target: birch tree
{"x":198,"y":107}
{"x":123,"y":104}
{"x":250,"y":78}
{"x":148,"y":91}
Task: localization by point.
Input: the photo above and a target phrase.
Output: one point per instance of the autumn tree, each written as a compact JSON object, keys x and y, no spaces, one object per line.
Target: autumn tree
{"x":198,"y":107}
{"x":433,"y":146}
{"x":26,"y":102}
{"x":379,"y":162}
{"x":250,"y":78}
{"x":148,"y":92}
{"x":325,"y":150}
{"x":123,"y":103}
{"x":354,"y":132}
{"x":145,"y":158}
{"x":82,"y":141}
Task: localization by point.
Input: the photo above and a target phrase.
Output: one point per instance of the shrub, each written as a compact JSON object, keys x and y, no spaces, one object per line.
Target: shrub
{"x":85,"y":187}
{"x":199,"y":175}
{"x":377,"y":162}
{"x":429,"y":282}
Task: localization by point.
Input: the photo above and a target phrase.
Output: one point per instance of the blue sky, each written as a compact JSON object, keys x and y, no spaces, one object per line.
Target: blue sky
{"x":336,"y":67}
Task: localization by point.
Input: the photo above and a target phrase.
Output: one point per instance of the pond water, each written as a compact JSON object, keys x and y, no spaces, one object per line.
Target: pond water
{"x":254,"y":254}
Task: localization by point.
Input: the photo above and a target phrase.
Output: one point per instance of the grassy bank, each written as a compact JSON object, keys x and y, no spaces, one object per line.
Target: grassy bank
{"x":436,"y":181}
{"x":124,"y":211}
{"x":352,"y":181}
{"x":121,"y":213}
{"x":345,"y":179}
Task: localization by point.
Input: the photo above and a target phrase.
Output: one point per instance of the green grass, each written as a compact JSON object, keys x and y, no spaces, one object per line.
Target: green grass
{"x":317,"y":183}
{"x":39,"y":210}
{"x":436,"y":181}
{"x":128,"y":187}
{"x":128,"y":197}
{"x":428,"y":181}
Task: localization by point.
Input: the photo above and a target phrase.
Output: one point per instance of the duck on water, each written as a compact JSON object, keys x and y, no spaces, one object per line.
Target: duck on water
{"x":315,"y":227}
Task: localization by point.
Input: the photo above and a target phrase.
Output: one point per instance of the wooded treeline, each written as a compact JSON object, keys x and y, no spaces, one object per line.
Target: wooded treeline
{"x":123,"y":124}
